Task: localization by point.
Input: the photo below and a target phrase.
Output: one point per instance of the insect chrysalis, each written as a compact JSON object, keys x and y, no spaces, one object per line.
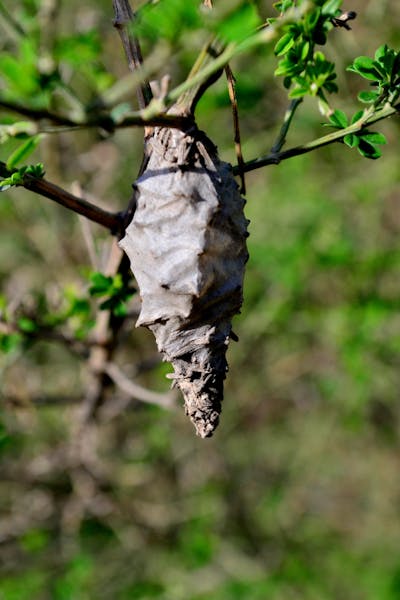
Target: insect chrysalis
{"x":187,"y":247}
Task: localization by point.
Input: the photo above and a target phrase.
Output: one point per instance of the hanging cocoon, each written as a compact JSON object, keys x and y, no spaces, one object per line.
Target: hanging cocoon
{"x":187,"y":247}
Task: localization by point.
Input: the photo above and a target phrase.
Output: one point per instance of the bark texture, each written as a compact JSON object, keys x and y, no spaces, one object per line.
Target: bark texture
{"x":187,"y":247}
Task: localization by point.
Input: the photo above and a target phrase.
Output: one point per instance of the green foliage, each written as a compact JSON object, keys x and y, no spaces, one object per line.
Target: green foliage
{"x":169,"y":20}
{"x":297,"y":493}
{"x":305,"y":70}
{"x":237,"y":25}
{"x":17,"y":177}
{"x":384,"y":73}
{"x":365,"y":141}
{"x":22,"y":152}
{"x":115,"y":289}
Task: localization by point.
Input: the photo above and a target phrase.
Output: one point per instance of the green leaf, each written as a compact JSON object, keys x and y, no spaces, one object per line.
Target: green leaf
{"x":338,"y":119}
{"x":368,"y":150}
{"x":101,"y":284}
{"x":356,"y":117}
{"x":368,"y":97}
{"x":298,"y":92}
{"x":27,"y":325}
{"x":305,"y":49}
{"x":374,"y":137}
{"x":351,"y":140}
{"x":381,"y":52}
{"x":331,"y":7}
{"x":366,"y":67}
{"x":284,"y":44}
{"x":239,"y":24}
{"x":23,"y":151}
{"x":36,"y":170}
{"x":78,"y":48}
{"x":10,"y":342}
{"x":312,"y":18}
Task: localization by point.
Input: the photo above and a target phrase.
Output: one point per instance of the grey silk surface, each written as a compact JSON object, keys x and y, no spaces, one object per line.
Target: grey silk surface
{"x":186,"y":244}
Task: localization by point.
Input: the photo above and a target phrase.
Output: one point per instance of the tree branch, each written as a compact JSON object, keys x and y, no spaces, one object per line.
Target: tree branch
{"x":136,"y":391}
{"x":123,"y":16}
{"x":36,"y":114}
{"x":49,"y":334}
{"x":261,"y":37}
{"x":112,"y":221}
{"x":274,"y":158}
{"x":287,"y":120}
{"x":104,"y":121}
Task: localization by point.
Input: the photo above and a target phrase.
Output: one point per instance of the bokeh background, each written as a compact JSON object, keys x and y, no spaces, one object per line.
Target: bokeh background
{"x":297,"y":495}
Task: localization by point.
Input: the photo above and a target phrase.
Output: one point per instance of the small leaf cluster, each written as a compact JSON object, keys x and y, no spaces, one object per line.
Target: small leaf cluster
{"x":72,"y":319}
{"x":305,"y":70}
{"x":115,"y":291}
{"x":18,"y":176}
{"x":32,"y":75}
{"x":365,"y":141}
{"x":383,"y":71}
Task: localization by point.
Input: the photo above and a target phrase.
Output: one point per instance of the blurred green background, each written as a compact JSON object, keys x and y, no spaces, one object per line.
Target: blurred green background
{"x":297,"y":496}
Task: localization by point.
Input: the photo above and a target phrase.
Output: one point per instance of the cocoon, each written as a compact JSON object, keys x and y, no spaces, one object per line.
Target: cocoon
{"x":187,"y":247}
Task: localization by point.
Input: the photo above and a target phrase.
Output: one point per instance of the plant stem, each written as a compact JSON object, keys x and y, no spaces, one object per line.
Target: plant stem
{"x":287,"y":120}
{"x":12,"y":26}
{"x":112,"y":221}
{"x":262,"y":36}
{"x":103,"y":121}
{"x":275,"y":158}
{"x":123,"y":16}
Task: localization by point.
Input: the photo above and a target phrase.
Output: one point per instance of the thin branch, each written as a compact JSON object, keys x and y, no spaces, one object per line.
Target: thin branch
{"x":104,"y":121}
{"x":79,"y":347}
{"x":11,"y":25}
{"x":108,"y":326}
{"x":261,"y":37}
{"x":123,"y":16}
{"x":192,"y":93}
{"x":103,"y":217}
{"x":41,"y":400}
{"x":37,"y":114}
{"x":136,"y":391}
{"x":287,"y":120}
{"x":238,"y":146}
{"x":112,"y":221}
{"x":274,"y":158}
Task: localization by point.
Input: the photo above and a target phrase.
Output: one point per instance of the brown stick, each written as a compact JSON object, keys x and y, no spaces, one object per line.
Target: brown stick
{"x":112,"y":221}
{"x":238,"y":146}
{"x":123,"y":16}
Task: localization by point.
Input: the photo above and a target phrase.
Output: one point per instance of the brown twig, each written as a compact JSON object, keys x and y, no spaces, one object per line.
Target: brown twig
{"x":123,"y":16}
{"x":136,"y":391}
{"x":49,"y":334}
{"x":102,"y":121}
{"x":274,"y":158}
{"x":36,"y":114}
{"x":110,"y":220}
{"x":238,"y":146}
